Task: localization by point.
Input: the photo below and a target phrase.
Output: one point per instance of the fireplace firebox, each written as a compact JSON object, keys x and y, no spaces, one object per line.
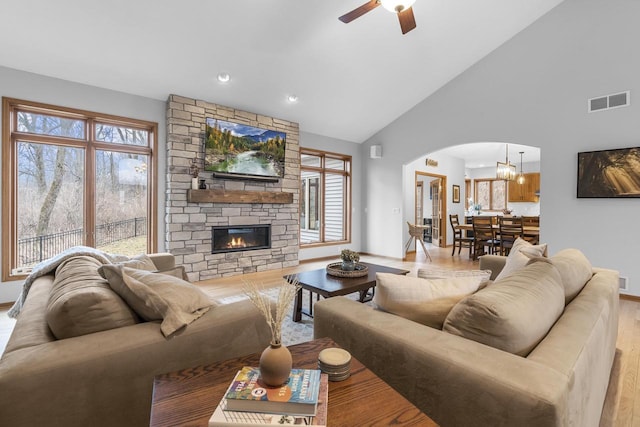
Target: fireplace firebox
{"x":240,"y":238}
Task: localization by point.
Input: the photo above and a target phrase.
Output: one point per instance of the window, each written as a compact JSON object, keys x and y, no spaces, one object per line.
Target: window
{"x":491,"y":194}
{"x":325,"y":197}
{"x":71,"y":178}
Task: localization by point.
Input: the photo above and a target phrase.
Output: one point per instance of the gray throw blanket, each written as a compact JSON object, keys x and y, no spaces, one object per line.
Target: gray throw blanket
{"x":48,"y":266}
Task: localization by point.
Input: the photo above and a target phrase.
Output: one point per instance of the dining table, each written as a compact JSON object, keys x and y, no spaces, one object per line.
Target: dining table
{"x":528,"y":230}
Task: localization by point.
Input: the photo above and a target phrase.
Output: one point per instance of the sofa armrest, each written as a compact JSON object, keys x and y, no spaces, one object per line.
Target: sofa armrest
{"x":453,"y":380}
{"x":163,"y":260}
{"x":495,"y":263}
{"x":106,"y":378}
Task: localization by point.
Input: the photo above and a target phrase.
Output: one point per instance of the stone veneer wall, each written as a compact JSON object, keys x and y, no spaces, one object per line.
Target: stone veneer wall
{"x":188,"y":225}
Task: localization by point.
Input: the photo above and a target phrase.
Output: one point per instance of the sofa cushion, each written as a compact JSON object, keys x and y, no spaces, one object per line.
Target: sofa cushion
{"x":157,"y":296}
{"x":81,"y":302}
{"x":575,"y":270}
{"x":519,"y":256}
{"x":513,"y":314}
{"x":426,"y":301}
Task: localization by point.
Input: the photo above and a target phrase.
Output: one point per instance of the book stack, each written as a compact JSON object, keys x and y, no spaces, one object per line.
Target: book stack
{"x":336,"y":363}
{"x":303,"y":399}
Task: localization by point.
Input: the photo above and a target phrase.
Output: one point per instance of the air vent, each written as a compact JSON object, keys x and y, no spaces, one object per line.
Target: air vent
{"x":608,"y":102}
{"x":623,"y":283}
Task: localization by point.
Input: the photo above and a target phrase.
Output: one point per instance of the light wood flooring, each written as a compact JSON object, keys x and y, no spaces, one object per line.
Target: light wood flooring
{"x":622,"y":405}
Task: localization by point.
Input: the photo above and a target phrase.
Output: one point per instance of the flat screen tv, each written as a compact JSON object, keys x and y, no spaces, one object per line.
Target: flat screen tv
{"x":609,"y":173}
{"x":237,"y":150}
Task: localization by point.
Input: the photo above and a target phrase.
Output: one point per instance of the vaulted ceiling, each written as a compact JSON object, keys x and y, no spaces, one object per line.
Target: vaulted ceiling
{"x":351,"y":80}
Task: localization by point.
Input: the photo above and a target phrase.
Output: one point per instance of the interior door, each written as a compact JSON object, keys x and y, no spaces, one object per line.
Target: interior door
{"x":436,"y":210}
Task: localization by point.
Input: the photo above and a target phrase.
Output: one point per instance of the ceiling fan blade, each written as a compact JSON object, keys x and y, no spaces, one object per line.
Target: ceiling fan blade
{"x":407,"y":20}
{"x":359,"y":11}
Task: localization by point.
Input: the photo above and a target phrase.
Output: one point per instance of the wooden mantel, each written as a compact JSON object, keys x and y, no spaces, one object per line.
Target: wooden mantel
{"x":237,"y":196}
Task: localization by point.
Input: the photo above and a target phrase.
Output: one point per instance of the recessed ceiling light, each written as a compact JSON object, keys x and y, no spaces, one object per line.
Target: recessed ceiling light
{"x":224,"y":77}
{"x":292,"y":98}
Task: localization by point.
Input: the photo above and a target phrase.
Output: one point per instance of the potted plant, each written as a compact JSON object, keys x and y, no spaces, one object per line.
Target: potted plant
{"x":349,"y":259}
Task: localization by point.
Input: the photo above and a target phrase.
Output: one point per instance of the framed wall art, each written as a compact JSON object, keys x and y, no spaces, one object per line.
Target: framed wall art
{"x":609,"y":173}
{"x":234,"y":148}
{"x":456,"y":194}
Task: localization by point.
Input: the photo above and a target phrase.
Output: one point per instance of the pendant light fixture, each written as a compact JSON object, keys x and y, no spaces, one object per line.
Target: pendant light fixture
{"x":506,"y":171}
{"x":521,"y":176}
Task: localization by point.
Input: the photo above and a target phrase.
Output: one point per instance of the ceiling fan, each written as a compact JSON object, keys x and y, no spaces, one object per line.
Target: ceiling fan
{"x":401,"y":7}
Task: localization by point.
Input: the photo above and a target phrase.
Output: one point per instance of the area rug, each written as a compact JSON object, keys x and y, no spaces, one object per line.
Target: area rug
{"x":292,"y":332}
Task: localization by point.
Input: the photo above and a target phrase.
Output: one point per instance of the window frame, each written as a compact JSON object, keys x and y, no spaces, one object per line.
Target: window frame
{"x":491,"y":181}
{"x":10,"y":138}
{"x":322,"y":170}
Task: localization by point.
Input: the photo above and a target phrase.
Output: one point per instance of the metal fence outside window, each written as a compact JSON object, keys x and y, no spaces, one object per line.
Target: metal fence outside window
{"x":32,"y":250}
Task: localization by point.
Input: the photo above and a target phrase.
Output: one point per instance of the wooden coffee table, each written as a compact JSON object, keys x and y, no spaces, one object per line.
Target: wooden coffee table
{"x":189,"y":396}
{"x":327,"y":286}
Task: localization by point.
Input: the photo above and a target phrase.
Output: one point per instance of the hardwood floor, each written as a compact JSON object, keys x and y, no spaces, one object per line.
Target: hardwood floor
{"x":622,"y":405}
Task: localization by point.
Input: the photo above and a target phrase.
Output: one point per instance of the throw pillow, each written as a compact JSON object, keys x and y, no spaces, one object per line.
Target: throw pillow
{"x":426,"y":301}
{"x":140,"y":262}
{"x":81,"y":301}
{"x":513,"y":314}
{"x":157,"y":296}
{"x":519,"y":256}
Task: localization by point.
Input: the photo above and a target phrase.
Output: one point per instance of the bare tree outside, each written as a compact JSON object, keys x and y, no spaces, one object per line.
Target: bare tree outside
{"x":51,"y":186}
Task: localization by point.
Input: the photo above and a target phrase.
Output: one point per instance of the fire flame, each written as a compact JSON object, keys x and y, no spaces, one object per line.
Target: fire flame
{"x":237,"y":243}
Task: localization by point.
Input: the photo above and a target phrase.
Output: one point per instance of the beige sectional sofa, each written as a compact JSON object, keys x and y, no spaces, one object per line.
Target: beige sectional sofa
{"x":106,"y":378}
{"x":459,"y":381}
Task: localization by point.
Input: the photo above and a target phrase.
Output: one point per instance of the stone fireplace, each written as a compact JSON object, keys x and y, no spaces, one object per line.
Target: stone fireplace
{"x":192,"y":215}
{"x":240,"y":238}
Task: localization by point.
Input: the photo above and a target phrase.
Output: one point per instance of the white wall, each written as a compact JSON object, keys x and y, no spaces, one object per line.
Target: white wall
{"x":37,"y":88}
{"x":532,"y":90}
{"x":319,"y":142}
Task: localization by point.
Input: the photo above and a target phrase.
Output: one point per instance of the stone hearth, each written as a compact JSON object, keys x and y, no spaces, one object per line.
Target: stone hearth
{"x":189,"y":223}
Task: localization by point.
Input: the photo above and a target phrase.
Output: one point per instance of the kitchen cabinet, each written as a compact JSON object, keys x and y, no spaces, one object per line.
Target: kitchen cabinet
{"x":527,"y":192}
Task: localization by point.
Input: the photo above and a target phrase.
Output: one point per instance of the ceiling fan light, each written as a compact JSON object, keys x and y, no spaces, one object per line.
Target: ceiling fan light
{"x":396,"y":6}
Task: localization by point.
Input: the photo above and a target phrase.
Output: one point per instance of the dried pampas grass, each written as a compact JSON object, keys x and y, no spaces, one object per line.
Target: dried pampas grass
{"x":286,"y":292}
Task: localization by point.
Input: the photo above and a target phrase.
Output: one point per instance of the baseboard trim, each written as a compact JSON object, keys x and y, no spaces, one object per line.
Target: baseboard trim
{"x":630,"y":297}
{"x":333,"y":257}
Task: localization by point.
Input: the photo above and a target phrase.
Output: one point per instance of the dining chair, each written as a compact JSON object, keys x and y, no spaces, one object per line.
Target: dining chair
{"x":459,"y":240}
{"x":510,"y":228}
{"x":417,"y":232}
{"x":484,"y":236}
{"x":531,"y":221}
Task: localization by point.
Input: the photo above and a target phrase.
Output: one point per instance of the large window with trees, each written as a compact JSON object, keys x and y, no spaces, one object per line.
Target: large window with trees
{"x":491,"y":194}
{"x":73,"y":177}
{"x":325,"y":197}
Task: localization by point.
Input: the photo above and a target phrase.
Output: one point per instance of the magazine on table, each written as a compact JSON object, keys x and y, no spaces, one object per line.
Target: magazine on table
{"x":222,"y":417}
{"x":297,"y":396}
